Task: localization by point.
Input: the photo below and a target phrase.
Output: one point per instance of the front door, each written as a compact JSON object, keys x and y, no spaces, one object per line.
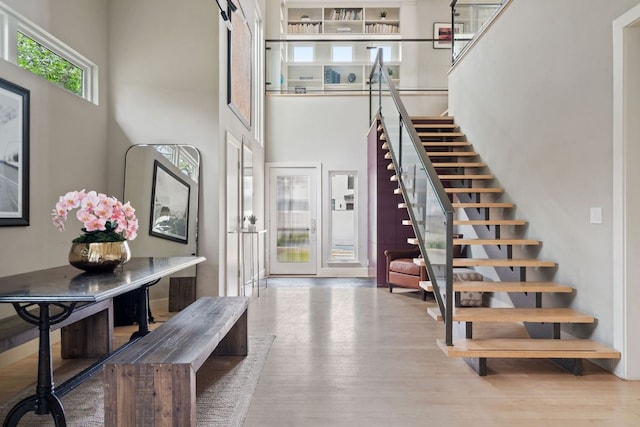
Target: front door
{"x":293,"y":244}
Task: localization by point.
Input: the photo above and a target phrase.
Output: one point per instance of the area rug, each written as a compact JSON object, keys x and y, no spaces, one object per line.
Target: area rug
{"x":225,"y":386}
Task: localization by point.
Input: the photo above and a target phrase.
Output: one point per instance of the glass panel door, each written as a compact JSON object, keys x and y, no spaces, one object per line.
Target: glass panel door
{"x":293,"y":242}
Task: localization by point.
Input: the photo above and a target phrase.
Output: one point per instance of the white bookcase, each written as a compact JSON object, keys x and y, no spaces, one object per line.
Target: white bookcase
{"x":343,"y":61}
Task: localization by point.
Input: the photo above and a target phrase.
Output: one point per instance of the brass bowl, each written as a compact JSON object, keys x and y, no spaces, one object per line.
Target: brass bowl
{"x":97,"y":257}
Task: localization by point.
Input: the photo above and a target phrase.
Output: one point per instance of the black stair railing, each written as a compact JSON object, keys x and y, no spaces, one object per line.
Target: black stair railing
{"x":428,"y":205}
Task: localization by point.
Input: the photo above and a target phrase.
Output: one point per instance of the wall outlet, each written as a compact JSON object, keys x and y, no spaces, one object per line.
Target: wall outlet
{"x":595,"y":215}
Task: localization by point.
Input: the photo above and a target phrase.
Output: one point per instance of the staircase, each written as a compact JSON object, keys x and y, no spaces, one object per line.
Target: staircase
{"x":469,"y":187}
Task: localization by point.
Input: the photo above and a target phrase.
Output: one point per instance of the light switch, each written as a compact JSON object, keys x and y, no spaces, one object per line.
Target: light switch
{"x":595,"y":215}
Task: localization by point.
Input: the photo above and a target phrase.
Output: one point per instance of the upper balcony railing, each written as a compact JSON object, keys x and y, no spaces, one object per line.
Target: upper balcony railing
{"x":468,"y":20}
{"x":340,"y":65}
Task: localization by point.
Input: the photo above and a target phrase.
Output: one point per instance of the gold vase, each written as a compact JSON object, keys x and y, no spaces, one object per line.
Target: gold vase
{"x":95,"y":257}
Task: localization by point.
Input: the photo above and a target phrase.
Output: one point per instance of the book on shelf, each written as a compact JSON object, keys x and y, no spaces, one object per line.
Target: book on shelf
{"x":312,"y":28}
{"x":331,"y":76}
{"x":382,"y":29}
{"x":345,"y":15}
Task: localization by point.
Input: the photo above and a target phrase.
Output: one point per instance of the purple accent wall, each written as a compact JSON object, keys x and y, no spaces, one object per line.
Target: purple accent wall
{"x":384,"y":217}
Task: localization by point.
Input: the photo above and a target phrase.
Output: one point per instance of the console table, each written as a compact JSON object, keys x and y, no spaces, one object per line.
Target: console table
{"x":34,"y":294}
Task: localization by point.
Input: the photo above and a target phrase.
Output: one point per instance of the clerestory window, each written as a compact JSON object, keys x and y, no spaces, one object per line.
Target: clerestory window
{"x":30,"y":47}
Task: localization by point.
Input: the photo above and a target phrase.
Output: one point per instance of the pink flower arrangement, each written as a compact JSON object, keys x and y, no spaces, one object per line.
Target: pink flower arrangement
{"x":105,"y":219}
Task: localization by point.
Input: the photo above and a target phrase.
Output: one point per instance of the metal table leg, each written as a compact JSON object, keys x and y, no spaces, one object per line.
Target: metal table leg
{"x":45,"y":401}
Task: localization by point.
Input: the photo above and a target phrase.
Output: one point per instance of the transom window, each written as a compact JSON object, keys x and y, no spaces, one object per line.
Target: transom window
{"x":303,"y":53}
{"x":32,"y":48}
{"x":342,"y":53}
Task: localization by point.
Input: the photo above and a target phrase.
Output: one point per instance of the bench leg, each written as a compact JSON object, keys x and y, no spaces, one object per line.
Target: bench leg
{"x":235,"y":343}
{"x":149,"y":395}
{"x":89,"y":337}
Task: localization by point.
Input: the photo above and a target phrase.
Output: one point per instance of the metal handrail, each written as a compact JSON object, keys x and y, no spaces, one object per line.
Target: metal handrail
{"x":446,"y":306}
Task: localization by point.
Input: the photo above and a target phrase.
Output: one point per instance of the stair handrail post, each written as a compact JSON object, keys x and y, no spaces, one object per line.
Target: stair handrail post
{"x":448,"y":319}
{"x":453,"y":32}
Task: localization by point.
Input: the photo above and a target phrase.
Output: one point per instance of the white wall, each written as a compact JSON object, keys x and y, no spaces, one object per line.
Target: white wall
{"x":164,"y":90}
{"x":537,"y":106}
{"x":332,"y":129}
{"x":68,"y":137}
{"x":67,"y":141}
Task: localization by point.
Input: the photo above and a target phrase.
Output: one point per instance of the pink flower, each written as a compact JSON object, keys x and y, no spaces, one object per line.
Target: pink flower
{"x":90,"y":201}
{"x":85,"y":216}
{"x":97,"y":224}
{"x":97,"y":212}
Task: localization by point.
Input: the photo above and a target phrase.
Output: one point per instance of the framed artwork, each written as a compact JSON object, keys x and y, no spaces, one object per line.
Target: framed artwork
{"x":14,"y":154}
{"x":442,"y":34}
{"x":239,"y":89}
{"x":169,"y":205}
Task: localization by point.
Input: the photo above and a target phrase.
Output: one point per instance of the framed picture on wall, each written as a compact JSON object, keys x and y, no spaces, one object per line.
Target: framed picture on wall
{"x":442,"y":34}
{"x":169,"y":205}
{"x":14,"y":154}
{"x":239,"y":77}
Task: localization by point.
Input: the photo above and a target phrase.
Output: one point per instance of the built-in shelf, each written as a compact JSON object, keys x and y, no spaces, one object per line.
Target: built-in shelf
{"x":336,"y":65}
{"x":342,"y":21}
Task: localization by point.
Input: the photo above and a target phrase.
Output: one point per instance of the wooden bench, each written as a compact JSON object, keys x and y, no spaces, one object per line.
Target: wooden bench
{"x":153,"y":381}
{"x":87,"y":332}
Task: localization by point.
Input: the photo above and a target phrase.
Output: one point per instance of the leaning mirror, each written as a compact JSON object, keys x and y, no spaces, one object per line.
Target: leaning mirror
{"x":162,"y":184}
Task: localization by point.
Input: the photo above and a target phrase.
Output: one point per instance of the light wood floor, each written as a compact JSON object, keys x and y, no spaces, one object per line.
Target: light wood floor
{"x":364,"y":357}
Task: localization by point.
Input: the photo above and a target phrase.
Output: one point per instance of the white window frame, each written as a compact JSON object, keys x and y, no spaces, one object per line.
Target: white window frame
{"x":337,"y":60}
{"x":11,"y":22}
{"x":308,"y":46}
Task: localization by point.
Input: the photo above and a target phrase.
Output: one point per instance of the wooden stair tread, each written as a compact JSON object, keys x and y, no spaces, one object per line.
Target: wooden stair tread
{"x":385,"y":146}
{"x":529,"y":348}
{"x":451,"y":153}
{"x":459,"y":165}
{"x":513,"y":242}
{"x":464,"y":177}
{"x":446,"y":144}
{"x":464,"y":190}
{"x":402,"y":205}
{"x":483,"y":205}
{"x":501,"y":262}
{"x":443,"y":118}
{"x":387,"y":155}
{"x":494,"y":262}
{"x":440,"y":134}
{"x":533,"y":315}
{"x":488,"y":222}
{"x":397,"y":191}
{"x":435,"y":125}
{"x":482,"y":286}
{"x":391,"y":167}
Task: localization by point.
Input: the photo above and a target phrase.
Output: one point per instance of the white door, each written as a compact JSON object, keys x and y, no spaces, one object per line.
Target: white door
{"x":234,"y":222}
{"x":293,"y":244}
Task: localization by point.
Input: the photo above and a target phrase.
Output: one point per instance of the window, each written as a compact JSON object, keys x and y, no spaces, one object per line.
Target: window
{"x":386,"y":53}
{"x":32,"y":48}
{"x":45,"y":63}
{"x":182,"y":156}
{"x":343,"y":217}
{"x":342,"y":53}
{"x":303,"y":53}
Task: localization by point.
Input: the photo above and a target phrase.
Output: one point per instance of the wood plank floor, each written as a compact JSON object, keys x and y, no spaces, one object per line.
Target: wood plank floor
{"x":364,"y":357}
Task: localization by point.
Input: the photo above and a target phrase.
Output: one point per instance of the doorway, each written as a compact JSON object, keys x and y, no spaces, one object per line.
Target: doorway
{"x":234,"y":147}
{"x":293,"y":224}
{"x":626,"y":190}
